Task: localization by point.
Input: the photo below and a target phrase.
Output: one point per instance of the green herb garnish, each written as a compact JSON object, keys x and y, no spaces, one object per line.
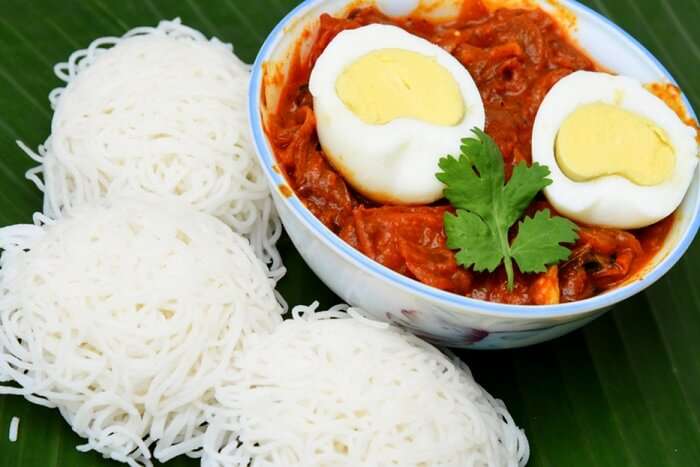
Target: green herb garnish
{"x":487,"y":207}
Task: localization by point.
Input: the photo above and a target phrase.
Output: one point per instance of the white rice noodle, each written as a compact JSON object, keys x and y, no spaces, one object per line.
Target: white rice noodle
{"x":159,"y":110}
{"x":125,"y":315}
{"x":329,"y":390}
{"x":14,"y":429}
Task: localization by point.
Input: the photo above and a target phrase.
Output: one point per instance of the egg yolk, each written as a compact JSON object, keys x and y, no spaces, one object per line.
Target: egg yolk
{"x":602,"y":139}
{"x":388,"y":84}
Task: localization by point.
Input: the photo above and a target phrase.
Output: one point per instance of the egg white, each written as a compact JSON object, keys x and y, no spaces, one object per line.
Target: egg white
{"x":612,"y":201}
{"x":396,"y":162}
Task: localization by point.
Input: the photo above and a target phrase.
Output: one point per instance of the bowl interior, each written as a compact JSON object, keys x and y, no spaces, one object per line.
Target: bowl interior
{"x":606,"y":43}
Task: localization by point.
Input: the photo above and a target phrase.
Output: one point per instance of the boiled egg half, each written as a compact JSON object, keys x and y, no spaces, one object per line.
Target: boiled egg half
{"x":388,"y":106}
{"x":619,"y":156}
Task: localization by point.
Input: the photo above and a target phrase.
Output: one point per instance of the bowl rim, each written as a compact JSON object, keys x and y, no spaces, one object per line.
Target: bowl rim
{"x":463,"y":304}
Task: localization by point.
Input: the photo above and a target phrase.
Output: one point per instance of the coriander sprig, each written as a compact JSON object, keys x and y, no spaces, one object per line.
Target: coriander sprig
{"x":487,"y":207}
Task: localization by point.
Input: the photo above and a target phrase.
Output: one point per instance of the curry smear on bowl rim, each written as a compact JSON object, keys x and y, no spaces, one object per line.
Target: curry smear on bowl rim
{"x":602,"y":259}
{"x":671,"y":95}
{"x":286,"y":191}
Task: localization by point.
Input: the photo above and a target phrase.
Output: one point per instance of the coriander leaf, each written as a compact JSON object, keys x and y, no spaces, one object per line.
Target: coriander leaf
{"x":539,"y":239}
{"x":473,"y":182}
{"x":487,"y":208}
{"x":523,"y":186}
{"x":478,"y":246}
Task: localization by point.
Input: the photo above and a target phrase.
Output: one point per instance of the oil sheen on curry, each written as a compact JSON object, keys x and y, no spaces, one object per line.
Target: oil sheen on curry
{"x":545,"y":146}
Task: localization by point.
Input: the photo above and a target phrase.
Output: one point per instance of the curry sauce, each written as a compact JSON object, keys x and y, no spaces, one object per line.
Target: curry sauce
{"x":515,"y":56}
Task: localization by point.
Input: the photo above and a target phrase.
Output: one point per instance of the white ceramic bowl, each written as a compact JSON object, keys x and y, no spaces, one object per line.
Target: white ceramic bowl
{"x":439,"y":316}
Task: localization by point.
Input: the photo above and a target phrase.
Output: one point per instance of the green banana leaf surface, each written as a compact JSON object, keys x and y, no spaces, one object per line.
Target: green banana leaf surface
{"x":624,"y":391}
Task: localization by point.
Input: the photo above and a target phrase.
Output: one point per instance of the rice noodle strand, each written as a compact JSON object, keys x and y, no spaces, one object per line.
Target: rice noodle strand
{"x":161,"y":110}
{"x":334,"y":389}
{"x":125,"y":315}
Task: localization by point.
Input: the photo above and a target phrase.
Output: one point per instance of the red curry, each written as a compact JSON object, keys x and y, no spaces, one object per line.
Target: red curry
{"x":515,"y":56}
